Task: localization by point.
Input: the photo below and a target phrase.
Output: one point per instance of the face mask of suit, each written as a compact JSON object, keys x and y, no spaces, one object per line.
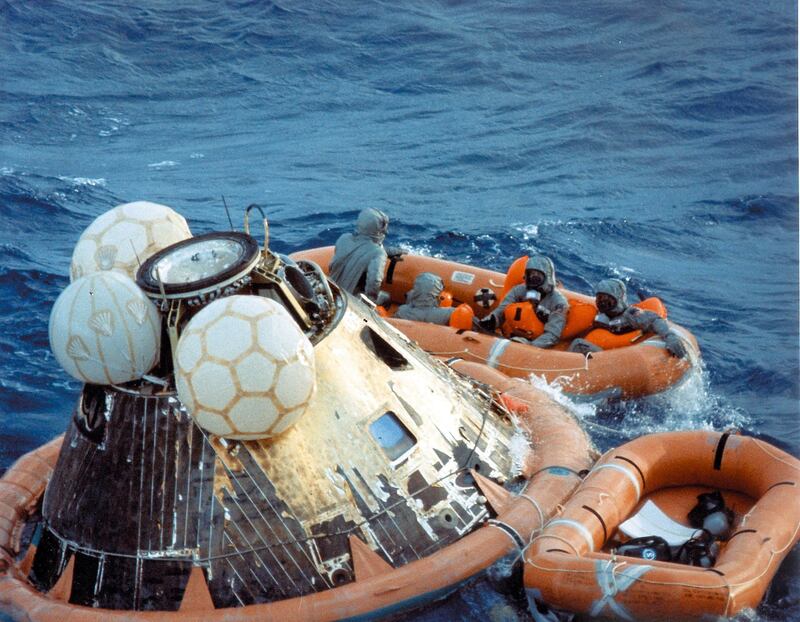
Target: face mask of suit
{"x":534,"y":279}
{"x":606,"y":303}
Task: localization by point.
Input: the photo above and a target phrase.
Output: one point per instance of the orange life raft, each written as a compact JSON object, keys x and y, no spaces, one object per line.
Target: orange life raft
{"x":570,"y":564}
{"x":560,"y":451}
{"x":641,"y":368}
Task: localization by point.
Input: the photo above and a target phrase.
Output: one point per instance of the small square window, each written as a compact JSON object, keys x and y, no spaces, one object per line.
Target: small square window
{"x":392,"y":435}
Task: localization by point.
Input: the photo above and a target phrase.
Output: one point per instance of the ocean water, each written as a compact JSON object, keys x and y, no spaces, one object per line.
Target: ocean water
{"x":652,"y":141}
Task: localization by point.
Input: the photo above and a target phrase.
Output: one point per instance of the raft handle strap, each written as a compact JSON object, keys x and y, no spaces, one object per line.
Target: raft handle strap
{"x":555,"y":466}
{"x":598,"y":517}
{"x":786,"y":483}
{"x":392,"y":265}
{"x":509,"y":531}
{"x":627,"y":472}
{"x":741,"y":531}
{"x":635,"y":466}
{"x":720,"y":450}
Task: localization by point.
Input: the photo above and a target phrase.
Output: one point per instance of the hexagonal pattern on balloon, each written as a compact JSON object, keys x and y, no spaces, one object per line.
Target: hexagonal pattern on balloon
{"x":256,"y":373}
{"x":288,"y":420}
{"x":214,"y":423}
{"x":229,"y":337}
{"x":295,"y":385}
{"x":191,"y":351}
{"x":212,"y":386}
{"x":123,"y":238}
{"x":185,"y":391}
{"x":244,"y":360}
{"x":253,"y":415}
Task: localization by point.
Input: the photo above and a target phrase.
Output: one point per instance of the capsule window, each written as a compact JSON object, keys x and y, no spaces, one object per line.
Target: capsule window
{"x":393,"y":437}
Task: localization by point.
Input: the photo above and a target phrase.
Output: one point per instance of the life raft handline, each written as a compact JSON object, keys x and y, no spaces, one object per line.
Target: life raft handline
{"x":442,"y":353}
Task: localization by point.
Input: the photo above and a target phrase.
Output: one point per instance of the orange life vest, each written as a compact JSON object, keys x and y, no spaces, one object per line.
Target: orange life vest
{"x":461,"y":317}
{"x":579,"y":319}
{"x":521,"y":320}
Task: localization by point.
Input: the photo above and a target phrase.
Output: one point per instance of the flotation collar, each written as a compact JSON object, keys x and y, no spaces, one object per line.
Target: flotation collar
{"x":609,"y":340}
{"x":572,"y":563}
{"x":559,"y":451}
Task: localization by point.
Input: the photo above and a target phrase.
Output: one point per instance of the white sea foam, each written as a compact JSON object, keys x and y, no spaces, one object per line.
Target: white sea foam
{"x":555,"y":391}
{"x":528,"y":231}
{"x":687,"y":406}
{"x":419,"y":249}
{"x":84,"y":181}
{"x":692,"y":404}
{"x":163,"y":164}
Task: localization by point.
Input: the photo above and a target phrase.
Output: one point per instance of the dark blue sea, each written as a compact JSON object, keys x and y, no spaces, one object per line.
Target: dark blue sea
{"x":652,"y":141}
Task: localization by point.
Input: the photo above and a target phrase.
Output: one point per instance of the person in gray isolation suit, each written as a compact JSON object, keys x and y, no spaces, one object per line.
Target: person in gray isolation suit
{"x":615,"y":315}
{"x":540,"y":290}
{"x":422,"y":302}
{"x":360,"y":259}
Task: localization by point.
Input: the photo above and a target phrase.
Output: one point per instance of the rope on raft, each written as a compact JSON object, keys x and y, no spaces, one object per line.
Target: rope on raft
{"x":506,"y":365}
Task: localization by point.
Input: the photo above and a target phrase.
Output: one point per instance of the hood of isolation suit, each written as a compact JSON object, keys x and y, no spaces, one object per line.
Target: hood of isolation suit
{"x":615,"y":288}
{"x":426,"y":290}
{"x":372,"y":223}
{"x":544,"y":265}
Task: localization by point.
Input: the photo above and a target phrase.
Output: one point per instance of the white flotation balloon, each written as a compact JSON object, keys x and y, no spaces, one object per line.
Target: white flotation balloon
{"x":244,"y":369}
{"x":126,"y":236}
{"x":104,"y":330}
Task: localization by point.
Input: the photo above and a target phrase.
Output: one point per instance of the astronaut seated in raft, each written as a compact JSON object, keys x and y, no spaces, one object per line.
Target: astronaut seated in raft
{"x":536,"y":313}
{"x":428,"y":302}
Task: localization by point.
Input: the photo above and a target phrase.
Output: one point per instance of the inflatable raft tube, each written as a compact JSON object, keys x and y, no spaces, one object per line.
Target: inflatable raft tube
{"x":560,"y":452}
{"x":570,"y":567}
{"x":640,"y":369}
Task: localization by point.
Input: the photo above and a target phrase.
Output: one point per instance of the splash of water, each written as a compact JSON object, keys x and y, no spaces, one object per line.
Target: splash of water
{"x":518,"y":449}
{"x":420,"y":249}
{"x":691,"y":404}
{"x":554,"y":390}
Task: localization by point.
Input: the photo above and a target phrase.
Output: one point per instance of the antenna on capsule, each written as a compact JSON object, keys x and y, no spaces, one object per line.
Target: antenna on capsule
{"x":227,"y":211}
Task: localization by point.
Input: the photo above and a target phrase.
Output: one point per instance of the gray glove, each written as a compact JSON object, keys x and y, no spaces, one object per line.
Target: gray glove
{"x":674,"y":345}
{"x":581,"y":346}
{"x":489,"y":323}
{"x":394,"y":252}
